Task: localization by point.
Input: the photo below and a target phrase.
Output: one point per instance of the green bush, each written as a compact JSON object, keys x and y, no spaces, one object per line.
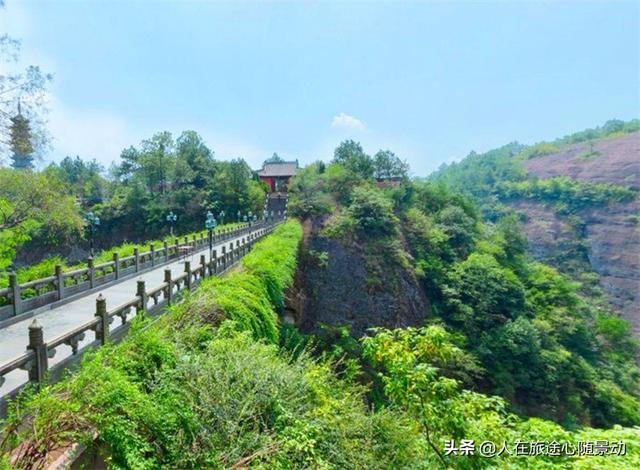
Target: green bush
{"x":566,"y":192}
{"x":183,"y":394}
{"x":539,"y":150}
{"x":253,"y":296}
{"x":372,"y":212}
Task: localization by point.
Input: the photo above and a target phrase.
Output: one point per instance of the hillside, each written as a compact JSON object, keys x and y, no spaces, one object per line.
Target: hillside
{"x":353,"y":285}
{"x":609,"y":233}
{"x":607,"y":160}
{"x":391,"y":320}
{"x":214,"y":384}
{"x":592,"y":234}
{"x":407,"y":253}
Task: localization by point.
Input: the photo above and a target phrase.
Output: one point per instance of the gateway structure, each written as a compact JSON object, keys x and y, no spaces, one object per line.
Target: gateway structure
{"x":277,"y":173}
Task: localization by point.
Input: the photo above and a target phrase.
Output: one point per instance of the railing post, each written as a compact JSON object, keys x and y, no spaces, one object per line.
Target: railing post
{"x":59,"y":281}
{"x":244,"y":246}
{"x":116,"y":265}
{"x":40,"y":364}
{"x":203,"y":264}
{"x":136,"y":256}
{"x":102,"y":327}
{"x":90,"y":271}
{"x":141,"y":292}
{"x":166,"y":251}
{"x":224,"y":258}
{"x":187,"y":269}
{"x":237,"y":250}
{"x":169,"y":291}
{"x":153,"y":254}
{"x":186,"y":240}
{"x":213,"y":263}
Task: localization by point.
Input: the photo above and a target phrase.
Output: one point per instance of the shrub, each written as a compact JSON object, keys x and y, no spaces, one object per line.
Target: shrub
{"x":539,"y":150}
{"x":253,"y":296}
{"x":372,"y":212}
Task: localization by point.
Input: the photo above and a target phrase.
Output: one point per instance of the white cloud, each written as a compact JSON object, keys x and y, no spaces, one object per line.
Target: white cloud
{"x":345,"y":121}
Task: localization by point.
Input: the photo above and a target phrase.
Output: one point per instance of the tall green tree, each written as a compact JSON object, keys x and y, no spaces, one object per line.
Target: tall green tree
{"x":386,"y":165}
{"x":29,"y":202}
{"x":194,"y":159}
{"x":85,"y":179}
{"x":350,"y":155}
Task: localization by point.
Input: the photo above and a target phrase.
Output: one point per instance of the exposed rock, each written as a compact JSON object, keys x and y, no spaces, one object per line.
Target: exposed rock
{"x":613,"y":243}
{"x":344,"y":288}
{"x":615,"y":160}
{"x":608,"y":239}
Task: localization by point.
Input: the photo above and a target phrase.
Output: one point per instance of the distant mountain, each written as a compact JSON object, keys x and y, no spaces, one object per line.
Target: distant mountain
{"x":579,"y":203}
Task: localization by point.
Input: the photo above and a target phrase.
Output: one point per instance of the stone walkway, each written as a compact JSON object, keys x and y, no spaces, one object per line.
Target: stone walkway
{"x":59,"y":320}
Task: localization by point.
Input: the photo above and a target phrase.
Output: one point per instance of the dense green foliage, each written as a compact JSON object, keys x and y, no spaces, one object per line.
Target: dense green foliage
{"x":513,"y":350}
{"x":43,"y":211}
{"x":540,"y":344}
{"x":206,"y":387}
{"x":497,"y":176}
{"x":611,"y":128}
{"x":498,"y":183}
{"x":253,"y":296}
{"x":163,"y":175}
{"x":568,"y":195}
{"x":33,"y":203}
{"x":421,"y":372}
{"x":185,"y":394}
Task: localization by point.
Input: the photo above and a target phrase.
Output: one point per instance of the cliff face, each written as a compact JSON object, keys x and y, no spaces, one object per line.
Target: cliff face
{"x":351,"y":285}
{"x":614,"y":160}
{"x":604,"y":239}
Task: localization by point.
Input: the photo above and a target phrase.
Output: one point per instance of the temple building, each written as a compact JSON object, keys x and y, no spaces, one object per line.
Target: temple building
{"x":277,"y":173}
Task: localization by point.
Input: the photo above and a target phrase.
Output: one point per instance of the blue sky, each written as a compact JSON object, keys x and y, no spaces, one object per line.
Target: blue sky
{"x":428,"y":80}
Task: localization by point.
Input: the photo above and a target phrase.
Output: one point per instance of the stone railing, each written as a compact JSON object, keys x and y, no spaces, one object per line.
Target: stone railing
{"x":19,"y":299}
{"x":151,"y":302}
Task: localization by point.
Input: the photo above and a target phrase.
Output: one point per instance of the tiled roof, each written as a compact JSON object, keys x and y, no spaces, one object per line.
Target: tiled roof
{"x":279,"y":169}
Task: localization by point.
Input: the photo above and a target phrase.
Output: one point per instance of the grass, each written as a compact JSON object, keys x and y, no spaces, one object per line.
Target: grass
{"x":207,"y":387}
{"x":589,"y":155}
{"x":46,"y":267}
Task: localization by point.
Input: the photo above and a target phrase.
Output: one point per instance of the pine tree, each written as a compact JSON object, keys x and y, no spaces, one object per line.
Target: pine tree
{"x":21,"y":142}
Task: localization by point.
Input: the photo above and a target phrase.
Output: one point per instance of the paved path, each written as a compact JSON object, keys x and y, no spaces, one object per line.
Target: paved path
{"x":14,"y":338}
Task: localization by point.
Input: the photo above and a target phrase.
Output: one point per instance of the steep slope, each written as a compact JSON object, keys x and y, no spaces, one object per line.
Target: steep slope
{"x":578,"y":198}
{"x":350,"y":284}
{"x":605,"y":237}
{"x":611,"y":160}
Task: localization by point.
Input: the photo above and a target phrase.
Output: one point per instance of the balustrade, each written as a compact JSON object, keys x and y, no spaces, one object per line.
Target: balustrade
{"x":18,"y":299}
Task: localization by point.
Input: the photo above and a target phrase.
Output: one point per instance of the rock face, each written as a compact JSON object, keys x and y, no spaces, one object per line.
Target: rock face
{"x":608,"y":238}
{"x":337,"y":285}
{"x":614,"y":160}
{"x":613,"y":244}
